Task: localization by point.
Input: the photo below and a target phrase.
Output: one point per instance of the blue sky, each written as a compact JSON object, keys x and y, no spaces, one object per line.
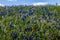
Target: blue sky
{"x":29,"y":2}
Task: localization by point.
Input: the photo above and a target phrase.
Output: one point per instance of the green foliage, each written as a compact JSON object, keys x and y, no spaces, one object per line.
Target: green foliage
{"x":39,"y":26}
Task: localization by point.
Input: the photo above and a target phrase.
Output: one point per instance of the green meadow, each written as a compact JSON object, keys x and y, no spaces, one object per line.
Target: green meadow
{"x":30,"y":23}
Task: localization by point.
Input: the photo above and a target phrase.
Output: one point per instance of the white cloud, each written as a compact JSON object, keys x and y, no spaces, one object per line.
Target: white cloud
{"x":58,"y":4}
{"x":40,"y":3}
{"x":2,"y":5}
{"x":11,"y":0}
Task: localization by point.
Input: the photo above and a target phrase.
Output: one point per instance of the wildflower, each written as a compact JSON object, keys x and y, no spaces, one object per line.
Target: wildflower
{"x":31,"y":38}
{"x":33,"y":19}
{"x":49,"y":26}
{"x":29,"y":29}
{"x":55,"y":19}
{"x":3,"y":13}
{"x":12,"y":26}
{"x":48,"y":20}
{"x":49,"y":14}
{"x":8,"y":14}
{"x":24,"y":37}
{"x":43,"y":16}
{"x":20,"y":11}
{"x":55,"y":14}
{"x":20,"y":30}
{"x":37,"y":38}
{"x":14,"y":35}
{"x":40,"y":32}
{"x":30,"y":12}
{"x":39,"y":20}
{"x":28,"y":22}
{"x":9,"y":10}
{"x":33,"y":35}
{"x":24,"y":17}
{"x":44,"y":31}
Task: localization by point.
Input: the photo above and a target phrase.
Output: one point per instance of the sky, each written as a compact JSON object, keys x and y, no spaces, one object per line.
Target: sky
{"x":28,"y":2}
